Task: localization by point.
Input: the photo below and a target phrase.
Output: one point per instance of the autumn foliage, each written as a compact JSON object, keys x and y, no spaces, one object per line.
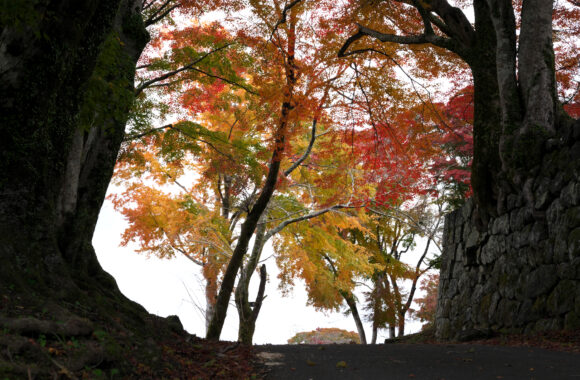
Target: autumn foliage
{"x":325,"y":336}
{"x":265,"y":126}
{"x":428,"y":302}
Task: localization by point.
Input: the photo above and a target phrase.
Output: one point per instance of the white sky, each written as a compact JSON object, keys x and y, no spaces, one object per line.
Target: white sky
{"x":173,"y":287}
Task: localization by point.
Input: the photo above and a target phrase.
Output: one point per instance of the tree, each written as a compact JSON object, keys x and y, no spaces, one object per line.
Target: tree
{"x":452,"y":170}
{"x":516,"y":107}
{"x":236,"y":110}
{"x":428,"y":303}
{"x":394,"y":231}
{"x":325,"y":336}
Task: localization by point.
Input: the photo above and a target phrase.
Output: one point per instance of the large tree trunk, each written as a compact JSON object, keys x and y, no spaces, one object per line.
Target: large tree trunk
{"x":516,"y":107}
{"x":486,"y":166}
{"x":67,"y":87}
{"x":61,"y":135}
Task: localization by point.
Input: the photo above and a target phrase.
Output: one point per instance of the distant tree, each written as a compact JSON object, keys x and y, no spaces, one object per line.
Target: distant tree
{"x":325,"y":336}
{"x":428,"y":303}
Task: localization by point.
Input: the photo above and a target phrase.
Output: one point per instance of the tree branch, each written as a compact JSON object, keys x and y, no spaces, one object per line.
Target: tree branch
{"x":148,"y":83}
{"x":306,"y":152}
{"x":282,"y":19}
{"x":224,"y":79}
{"x":311,"y":215}
{"x":139,"y":135}
{"x":160,"y":14}
{"x":260,"y":296}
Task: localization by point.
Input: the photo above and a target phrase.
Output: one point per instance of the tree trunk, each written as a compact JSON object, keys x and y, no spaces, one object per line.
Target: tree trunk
{"x":210,"y":296}
{"x":486,"y":166}
{"x":374,"y":336}
{"x":67,"y":87}
{"x":249,"y":225}
{"x":522,"y":103}
{"x":401,"y":324}
{"x":348,"y":297}
{"x":56,"y":169}
{"x":248,"y":314}
{"x":391,"y":331}
{"x":211,"y":288}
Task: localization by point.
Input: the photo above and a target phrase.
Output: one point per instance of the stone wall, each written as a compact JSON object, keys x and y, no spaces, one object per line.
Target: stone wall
{"x":523,"y":273}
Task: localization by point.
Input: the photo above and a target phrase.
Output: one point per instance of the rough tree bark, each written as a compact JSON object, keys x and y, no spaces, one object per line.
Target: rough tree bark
{"x":66,"y":76}
{"x":56,"y":166}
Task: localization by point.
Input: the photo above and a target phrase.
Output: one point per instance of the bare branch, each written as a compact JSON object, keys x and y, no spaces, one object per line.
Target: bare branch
{"x":195,"y":261}
{"x":440,"y":24}
{"x":424,"y":17}
{"x":418,"y":39}
{"x":404,"y":217}
{"x":147,"y":4}
{"x":456,"y":21}
{"x":140,"y":67}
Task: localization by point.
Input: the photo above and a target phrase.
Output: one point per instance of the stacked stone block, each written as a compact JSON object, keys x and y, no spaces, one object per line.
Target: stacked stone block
{"x":522,"y":274}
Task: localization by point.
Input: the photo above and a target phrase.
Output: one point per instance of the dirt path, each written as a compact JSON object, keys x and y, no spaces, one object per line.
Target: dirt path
{"x":417,"y":361}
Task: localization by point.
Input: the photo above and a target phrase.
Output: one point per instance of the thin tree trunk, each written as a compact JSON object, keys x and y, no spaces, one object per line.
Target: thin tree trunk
{"x":348,"y":297}
{"x":211,"y":288}
{"x":249,"y":225}
{"x":248,"y":321}
{"x":374,"y":336}
{"x":401,"y":324}
{"x":248,"y":314}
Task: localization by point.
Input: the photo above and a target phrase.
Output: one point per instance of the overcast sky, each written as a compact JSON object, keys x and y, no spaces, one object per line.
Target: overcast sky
{"x":174,"y":287}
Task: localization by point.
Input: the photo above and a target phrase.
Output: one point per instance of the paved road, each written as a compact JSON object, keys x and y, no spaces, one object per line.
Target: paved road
{"x":417,"y":361}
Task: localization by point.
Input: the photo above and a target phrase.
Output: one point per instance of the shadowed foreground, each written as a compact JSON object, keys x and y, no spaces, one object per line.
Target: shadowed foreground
{"x":418,"y":361}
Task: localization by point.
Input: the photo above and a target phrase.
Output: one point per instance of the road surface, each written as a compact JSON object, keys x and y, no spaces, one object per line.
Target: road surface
{"x":416,"y":361}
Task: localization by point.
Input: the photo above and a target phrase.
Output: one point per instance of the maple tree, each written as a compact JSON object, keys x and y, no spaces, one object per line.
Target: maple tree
{"x":428,"y":303}
{"x":235,"y":105}
{"x":329,"y":264}
{"x":452,"y":169}
{"x":395,"y":231}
